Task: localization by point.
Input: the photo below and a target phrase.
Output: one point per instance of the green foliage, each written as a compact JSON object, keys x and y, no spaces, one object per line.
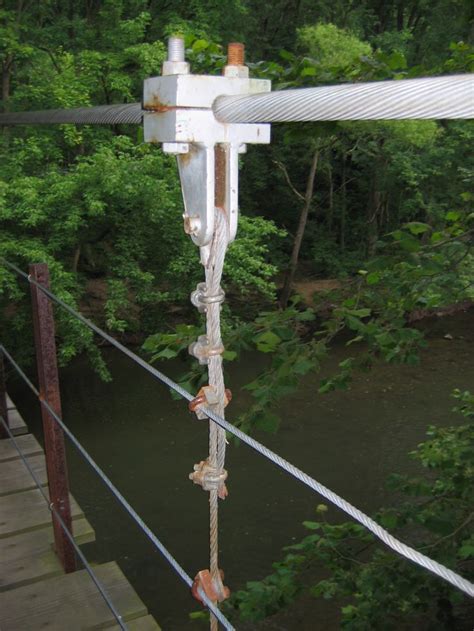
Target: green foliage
{"x":333,"y":47}
{"x":382,"y":590}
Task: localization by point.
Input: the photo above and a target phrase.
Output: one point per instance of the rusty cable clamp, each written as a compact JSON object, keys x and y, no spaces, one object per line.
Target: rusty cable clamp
{"x":210,"y":478}
{"x":207,"y":396}
{"x":216,"y":591}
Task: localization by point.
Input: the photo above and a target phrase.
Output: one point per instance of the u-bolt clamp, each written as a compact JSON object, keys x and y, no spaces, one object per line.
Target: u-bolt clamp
{"x":179,"y":114}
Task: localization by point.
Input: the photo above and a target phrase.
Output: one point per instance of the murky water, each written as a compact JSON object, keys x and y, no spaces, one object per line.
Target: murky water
{"x":147,"y":443}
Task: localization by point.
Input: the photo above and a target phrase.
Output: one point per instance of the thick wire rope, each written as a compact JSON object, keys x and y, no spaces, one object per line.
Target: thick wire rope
{"x":109,"y":484}
{"x":431,"y":98}
{"x":446,"y":97}
{"x":404,"y":550}
{"x":68,"y":533}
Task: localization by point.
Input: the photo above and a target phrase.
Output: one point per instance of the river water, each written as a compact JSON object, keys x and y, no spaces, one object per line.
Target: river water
{"x":147,"y":443}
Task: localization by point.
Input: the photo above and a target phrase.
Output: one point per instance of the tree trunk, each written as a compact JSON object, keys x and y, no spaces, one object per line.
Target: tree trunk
{"x":343,"y":205}
{"x":6,"y":77}
{"x":400,"y":16}
{"x":290,"y":275}
{"x":331,"y":200}
{"x":75,"y":258}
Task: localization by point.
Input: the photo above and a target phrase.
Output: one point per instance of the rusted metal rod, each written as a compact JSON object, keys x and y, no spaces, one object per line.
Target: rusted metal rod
{"x":3,"y":398}
{"x":43,"y":322}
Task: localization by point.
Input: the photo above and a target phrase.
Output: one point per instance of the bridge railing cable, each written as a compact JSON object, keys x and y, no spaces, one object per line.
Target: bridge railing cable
{"x":68,"y":533}
{"x":110,"y":485}
{"x":392,"y":542}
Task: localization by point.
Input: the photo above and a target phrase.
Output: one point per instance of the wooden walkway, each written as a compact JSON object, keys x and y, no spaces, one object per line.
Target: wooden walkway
{"x":34,"y":591}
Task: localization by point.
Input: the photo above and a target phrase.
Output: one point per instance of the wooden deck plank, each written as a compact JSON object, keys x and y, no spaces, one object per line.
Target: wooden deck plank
{"x":10,"y":403}
{"x":15,"y":477}
{"x":26,"y":511}
{"x":70,"y":602}
{"x":16,"y":423}
{"x":27,"y":443}
{"x":30,"y":557}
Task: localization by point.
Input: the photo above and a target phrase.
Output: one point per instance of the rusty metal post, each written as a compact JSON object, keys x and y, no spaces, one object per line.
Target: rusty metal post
{"x":56,"y":466}
{"x":3,"y":398}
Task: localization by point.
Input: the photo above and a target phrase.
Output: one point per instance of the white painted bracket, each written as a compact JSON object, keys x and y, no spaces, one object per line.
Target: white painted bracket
{"x":179,"y":115}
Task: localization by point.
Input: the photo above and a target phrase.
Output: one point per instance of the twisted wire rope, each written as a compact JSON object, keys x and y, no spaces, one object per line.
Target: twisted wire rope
{"x":67,"y":532}
{"x":217,"y":435}
{"x":392,"y":542}
{"x":448,"y":97}
{"x":429,"y":98}
{"x":127,"y":114}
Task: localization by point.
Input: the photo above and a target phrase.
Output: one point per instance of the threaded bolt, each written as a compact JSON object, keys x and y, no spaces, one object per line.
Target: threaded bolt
{"x":176,"y":49}
{"x":235,"y":54}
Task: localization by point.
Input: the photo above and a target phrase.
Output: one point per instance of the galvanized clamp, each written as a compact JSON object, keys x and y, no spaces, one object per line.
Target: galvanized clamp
{"x":179,"y":115}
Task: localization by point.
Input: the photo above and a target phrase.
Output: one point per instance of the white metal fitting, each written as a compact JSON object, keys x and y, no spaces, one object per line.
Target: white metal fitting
{"x":179,"y":115}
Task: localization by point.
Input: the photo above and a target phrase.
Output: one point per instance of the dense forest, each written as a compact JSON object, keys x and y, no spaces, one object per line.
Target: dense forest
{"x":352,"y":229}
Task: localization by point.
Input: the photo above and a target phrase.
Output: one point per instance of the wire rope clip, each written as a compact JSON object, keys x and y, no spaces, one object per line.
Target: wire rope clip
{"x":200,"y":298}
{"x":210,"y":478}
{"x":202,"y":350}
{"x":215,"y":590}
{"x":207,"y":396}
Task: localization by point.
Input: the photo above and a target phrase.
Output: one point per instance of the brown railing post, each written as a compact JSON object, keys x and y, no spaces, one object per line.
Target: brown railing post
{"x":45,"y":343}
{"x":3,"y":398}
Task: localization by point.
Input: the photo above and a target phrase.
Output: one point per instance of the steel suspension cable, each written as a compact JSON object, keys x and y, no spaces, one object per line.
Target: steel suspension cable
{"x":118,"y":495}
{"x":68,"y":533}
{"x":431,"y":98}
{"x":127,"y":114}
{"x":449,"y":97}
{"x":392,"y":542}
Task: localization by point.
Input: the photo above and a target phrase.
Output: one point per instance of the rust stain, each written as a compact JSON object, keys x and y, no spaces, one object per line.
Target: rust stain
{"x":220,"y":175}
{"x":153,"y":104}
{"x":185,"y":158}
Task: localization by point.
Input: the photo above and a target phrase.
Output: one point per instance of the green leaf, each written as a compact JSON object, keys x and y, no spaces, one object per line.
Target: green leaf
{"x":166,"y":353}
{"x":303,"y":366}
{"x":452,"y":215}
{"x":359,"y":313}
{"x":466,"y":551}
{"x":199,"y":45}
{"x":312,"y":525}
{"x":229,"y":355}
{"x":417,"y":227}
{"x":389,"y":519}
{"x":267,"y":342}
{"x":309,"y":71}
{"x":372,"y":278}
{"x":269,"y":422}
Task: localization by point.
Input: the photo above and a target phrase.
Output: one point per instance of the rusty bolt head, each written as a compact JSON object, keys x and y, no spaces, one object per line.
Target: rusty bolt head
{"x":235,"y":54}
